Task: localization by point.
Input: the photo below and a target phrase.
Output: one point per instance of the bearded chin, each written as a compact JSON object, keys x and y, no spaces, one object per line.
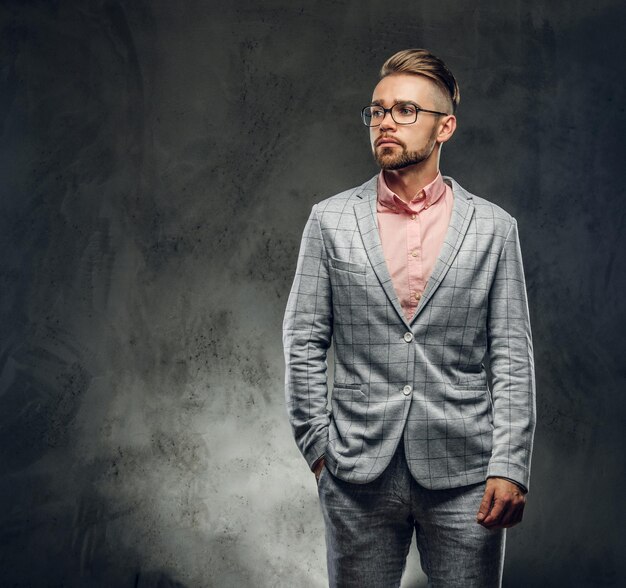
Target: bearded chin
{"x":387,"y":160}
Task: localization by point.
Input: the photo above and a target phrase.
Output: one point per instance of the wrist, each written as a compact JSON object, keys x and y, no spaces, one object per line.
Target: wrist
{"x":521,"y":487}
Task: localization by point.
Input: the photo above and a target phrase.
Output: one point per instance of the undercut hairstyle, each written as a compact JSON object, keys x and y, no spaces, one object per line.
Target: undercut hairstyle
{"x":423,"y":62}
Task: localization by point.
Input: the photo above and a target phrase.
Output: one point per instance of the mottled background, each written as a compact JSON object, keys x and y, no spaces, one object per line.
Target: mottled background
{"x":158,"y":162}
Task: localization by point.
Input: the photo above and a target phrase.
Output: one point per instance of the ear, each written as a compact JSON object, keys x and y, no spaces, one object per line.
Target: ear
{"x":446,"y":128}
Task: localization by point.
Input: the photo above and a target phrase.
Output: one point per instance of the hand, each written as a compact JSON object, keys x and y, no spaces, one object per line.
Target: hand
{"x":502,"y":505}
{"x":319,"y":466}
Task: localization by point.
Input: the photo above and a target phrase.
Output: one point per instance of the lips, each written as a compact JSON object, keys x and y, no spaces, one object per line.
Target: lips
{"x":386,"y":141}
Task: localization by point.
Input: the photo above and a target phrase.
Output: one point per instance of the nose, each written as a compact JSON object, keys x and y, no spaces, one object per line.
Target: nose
{"x":387,"y":122}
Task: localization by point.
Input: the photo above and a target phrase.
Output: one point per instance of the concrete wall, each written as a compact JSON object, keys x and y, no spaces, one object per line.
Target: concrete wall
{"x":158,"y":162}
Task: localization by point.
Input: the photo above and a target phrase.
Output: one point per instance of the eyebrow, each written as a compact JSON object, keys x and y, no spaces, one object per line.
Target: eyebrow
{"x":396,"y":101}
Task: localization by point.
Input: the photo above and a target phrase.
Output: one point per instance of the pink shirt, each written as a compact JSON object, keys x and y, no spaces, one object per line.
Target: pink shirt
{"x":412,"y":235}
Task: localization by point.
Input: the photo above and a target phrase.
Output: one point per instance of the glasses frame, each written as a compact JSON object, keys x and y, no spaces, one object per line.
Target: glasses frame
{"x":418,"y":109}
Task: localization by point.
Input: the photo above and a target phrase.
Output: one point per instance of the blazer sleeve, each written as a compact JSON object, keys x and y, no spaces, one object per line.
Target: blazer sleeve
{"x":512,"y":367}
{"x":307,"y":334}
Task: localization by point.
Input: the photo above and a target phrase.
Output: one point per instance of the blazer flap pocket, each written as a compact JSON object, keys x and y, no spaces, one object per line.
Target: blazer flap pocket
{"x":478,"y":381}
{"x":347,"y":391}
{"x":347,"y":266}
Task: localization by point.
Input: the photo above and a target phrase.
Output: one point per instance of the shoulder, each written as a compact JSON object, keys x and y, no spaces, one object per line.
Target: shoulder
{"x":343,"y":202}
{"x":486,"y":212}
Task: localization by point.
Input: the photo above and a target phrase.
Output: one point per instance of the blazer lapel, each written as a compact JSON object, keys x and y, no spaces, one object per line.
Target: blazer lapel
{"x":365,"y":211}
{"x":462,"y":211}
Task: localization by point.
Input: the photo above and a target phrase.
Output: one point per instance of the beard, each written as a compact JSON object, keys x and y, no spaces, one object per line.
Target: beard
{"x":388,"y":158}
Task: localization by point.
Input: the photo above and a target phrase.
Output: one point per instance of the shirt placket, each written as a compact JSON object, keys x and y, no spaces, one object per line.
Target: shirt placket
{"x":414,"y":259}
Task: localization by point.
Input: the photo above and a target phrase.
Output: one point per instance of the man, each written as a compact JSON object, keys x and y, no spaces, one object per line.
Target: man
{"x":417,"y":283}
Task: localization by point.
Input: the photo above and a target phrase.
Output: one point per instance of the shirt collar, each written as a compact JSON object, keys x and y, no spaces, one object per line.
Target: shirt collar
{"x":427,"y":196}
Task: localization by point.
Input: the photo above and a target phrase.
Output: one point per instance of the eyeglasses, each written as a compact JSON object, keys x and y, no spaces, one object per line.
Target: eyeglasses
{"x":403,"y":113}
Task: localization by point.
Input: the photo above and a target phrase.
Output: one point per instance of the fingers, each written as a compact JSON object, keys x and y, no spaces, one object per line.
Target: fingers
{"x":485,"y":505}
{"x":497,"y":514}
{"x":502,"y":505}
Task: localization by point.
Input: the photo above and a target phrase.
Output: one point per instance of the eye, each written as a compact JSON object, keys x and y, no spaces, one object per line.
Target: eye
{"x":406,"y":109}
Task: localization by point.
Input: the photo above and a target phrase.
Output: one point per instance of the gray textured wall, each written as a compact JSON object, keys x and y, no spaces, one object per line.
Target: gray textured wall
{"x":158,"y":162}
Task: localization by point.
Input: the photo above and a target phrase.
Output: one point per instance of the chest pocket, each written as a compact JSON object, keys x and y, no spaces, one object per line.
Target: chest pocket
{"x":348,"y":266}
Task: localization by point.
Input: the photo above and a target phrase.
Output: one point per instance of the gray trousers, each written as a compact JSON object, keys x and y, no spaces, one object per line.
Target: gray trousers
{"x":369,"y":529}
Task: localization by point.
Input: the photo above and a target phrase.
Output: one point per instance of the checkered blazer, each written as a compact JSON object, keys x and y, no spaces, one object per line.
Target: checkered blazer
{"x":424,"y":378}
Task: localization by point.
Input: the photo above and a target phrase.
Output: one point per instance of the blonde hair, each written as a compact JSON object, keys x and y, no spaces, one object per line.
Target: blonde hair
{"x":423,"y":62}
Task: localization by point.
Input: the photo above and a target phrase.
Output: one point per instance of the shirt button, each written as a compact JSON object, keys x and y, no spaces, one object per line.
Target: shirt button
{"x":414,"y":253}
{"x":407,"y":390}
{"x":413,"y":216}
{"x":418,"y":295}
{"x":408,"y":337}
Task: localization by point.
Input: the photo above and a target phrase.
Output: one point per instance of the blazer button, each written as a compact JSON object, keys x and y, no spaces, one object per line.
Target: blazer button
{"x":407,"y":390}
{"x":408,"y":337}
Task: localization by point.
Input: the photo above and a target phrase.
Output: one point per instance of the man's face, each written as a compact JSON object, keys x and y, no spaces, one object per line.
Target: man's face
{"x":397,"y":146}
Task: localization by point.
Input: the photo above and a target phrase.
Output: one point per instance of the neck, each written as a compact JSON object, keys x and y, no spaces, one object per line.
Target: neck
{"x":408,"y":181}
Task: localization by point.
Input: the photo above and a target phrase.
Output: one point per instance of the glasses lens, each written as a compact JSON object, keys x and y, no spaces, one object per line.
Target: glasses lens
{"x":404,"y":113}
{"x":372,"y":115}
